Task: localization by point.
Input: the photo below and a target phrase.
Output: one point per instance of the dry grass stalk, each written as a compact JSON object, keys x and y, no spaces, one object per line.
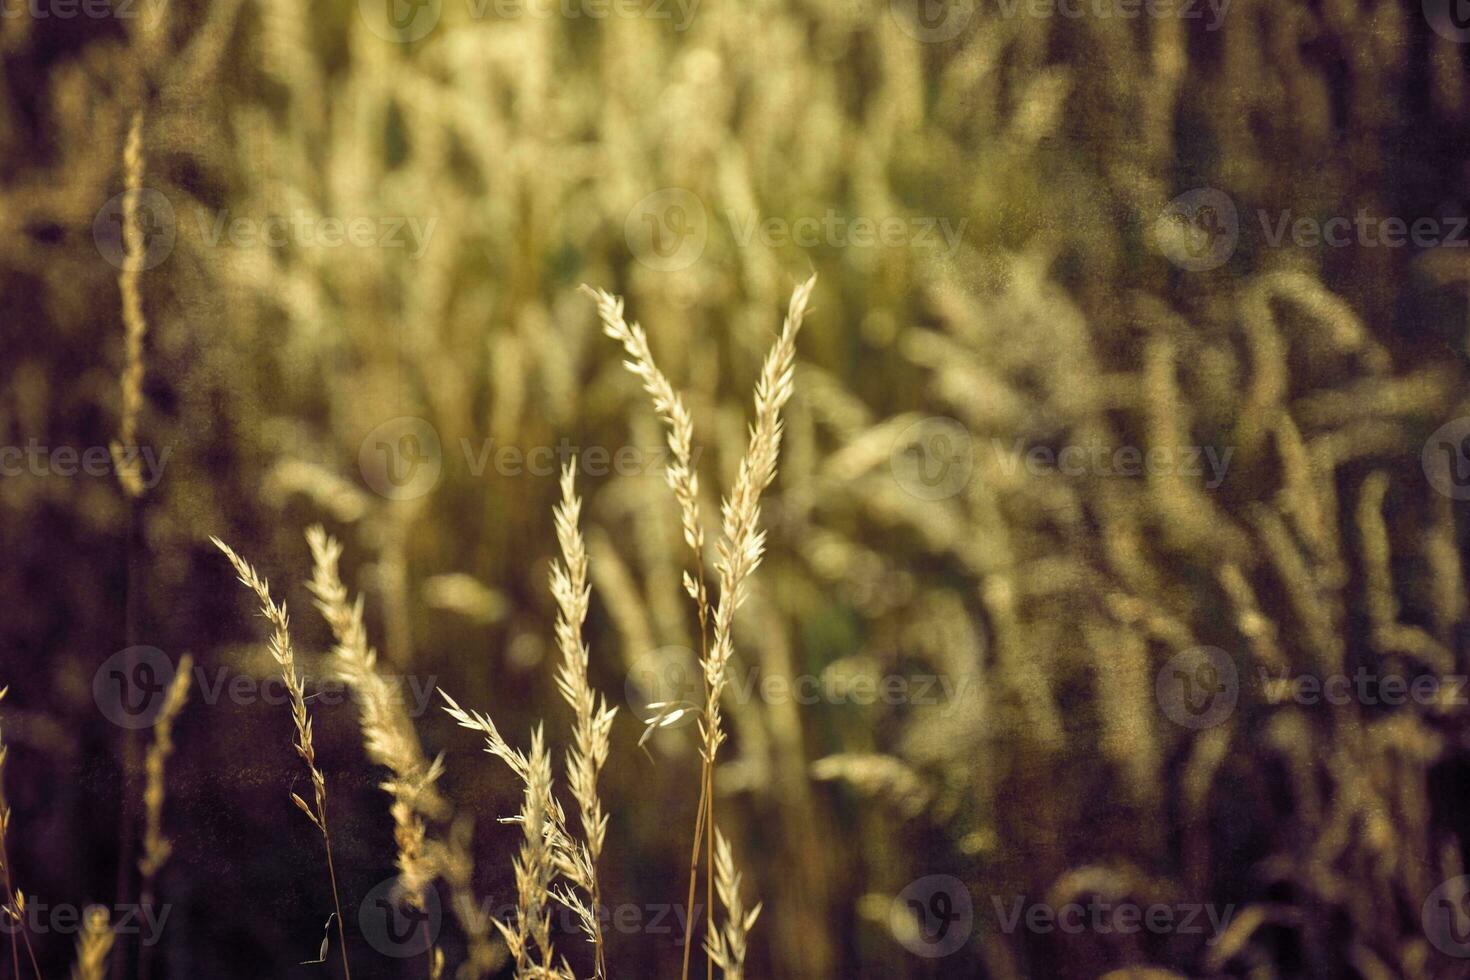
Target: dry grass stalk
{"x":567,"y":858}
{"x":285,"y":655}
{"x":593,"y":718}
{"x":740,"y":552}
{"x":743,"y":543}
{"x":684,"y":481}
{"x":573,"y":859}
{"x":124,"y":456}
{"x":387,"y":731}
{"x":93,"y":945}
{"x":157,"y":847}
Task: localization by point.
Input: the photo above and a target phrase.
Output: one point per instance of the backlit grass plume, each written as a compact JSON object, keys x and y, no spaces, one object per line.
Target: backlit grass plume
{"x":742,"y":543}
{"x":592,"y":718}
{"x":285,"y":655}
{"x":529,"y":936}
{"x":552,"y":849}
{"x":387,"y":731}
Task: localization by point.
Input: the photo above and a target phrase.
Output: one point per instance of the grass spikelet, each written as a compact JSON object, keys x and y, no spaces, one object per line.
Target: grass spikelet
{"x":534,"y":868}
{"x":726,"y":947}
{"x":567,"y":858}
{"x":670,"y":408}
{"x":285,"y":655}
{"x":592,"y":717}
{"x":495,"y":744}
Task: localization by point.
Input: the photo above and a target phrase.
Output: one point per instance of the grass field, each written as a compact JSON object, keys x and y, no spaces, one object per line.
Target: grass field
{"x":672,"y":488}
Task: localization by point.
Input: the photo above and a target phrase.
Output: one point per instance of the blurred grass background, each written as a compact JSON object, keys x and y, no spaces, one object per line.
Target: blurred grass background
{"x":530,"y":146}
